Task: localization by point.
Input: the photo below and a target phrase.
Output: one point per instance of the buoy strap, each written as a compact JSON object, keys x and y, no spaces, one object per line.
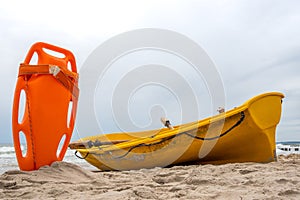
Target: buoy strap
{"x":67,"y":78}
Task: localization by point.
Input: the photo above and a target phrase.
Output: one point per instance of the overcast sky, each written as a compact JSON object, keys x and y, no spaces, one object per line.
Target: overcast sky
{"x":254,"y":44}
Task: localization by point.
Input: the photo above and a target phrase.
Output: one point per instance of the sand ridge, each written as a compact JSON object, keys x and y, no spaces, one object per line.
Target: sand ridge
{"x":62,"y":180}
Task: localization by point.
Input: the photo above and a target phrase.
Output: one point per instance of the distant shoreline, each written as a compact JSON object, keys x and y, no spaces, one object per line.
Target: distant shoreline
{"x":288,"y":142}
{"x":279,"y":142}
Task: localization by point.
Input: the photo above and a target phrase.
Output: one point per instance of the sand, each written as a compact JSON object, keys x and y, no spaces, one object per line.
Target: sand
{"x":62,"y":180}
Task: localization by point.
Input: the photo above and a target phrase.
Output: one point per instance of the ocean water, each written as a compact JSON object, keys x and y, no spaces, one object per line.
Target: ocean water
{"x":8,"y":159}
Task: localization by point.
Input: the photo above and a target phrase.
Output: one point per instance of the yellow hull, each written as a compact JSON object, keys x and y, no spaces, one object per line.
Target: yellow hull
{"x":243,"y":134}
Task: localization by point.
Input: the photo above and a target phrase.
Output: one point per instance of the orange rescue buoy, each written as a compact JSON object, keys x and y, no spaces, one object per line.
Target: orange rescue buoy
{"x":51,"y":90}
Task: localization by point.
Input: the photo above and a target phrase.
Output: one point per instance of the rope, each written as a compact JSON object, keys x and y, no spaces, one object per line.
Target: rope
{"x":30,"y":122}
{"x":81,"y":157}
{"x":144,"y":145}
{"x":221,"y":135}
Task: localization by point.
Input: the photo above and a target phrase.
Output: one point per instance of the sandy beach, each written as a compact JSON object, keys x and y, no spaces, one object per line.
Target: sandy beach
{"x":63,"y":180}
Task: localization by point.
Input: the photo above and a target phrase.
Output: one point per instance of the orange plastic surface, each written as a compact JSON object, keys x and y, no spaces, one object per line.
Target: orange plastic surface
{"x":45,"y":120}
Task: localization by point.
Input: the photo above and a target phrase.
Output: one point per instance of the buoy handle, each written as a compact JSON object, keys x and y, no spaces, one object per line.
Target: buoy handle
{"x":46,"y":58}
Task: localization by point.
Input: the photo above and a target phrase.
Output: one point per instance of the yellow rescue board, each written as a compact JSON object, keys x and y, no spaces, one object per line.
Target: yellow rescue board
{"x":243,"y":134}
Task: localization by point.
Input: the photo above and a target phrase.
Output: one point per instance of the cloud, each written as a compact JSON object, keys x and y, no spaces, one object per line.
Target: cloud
{"x":255,"y":44}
